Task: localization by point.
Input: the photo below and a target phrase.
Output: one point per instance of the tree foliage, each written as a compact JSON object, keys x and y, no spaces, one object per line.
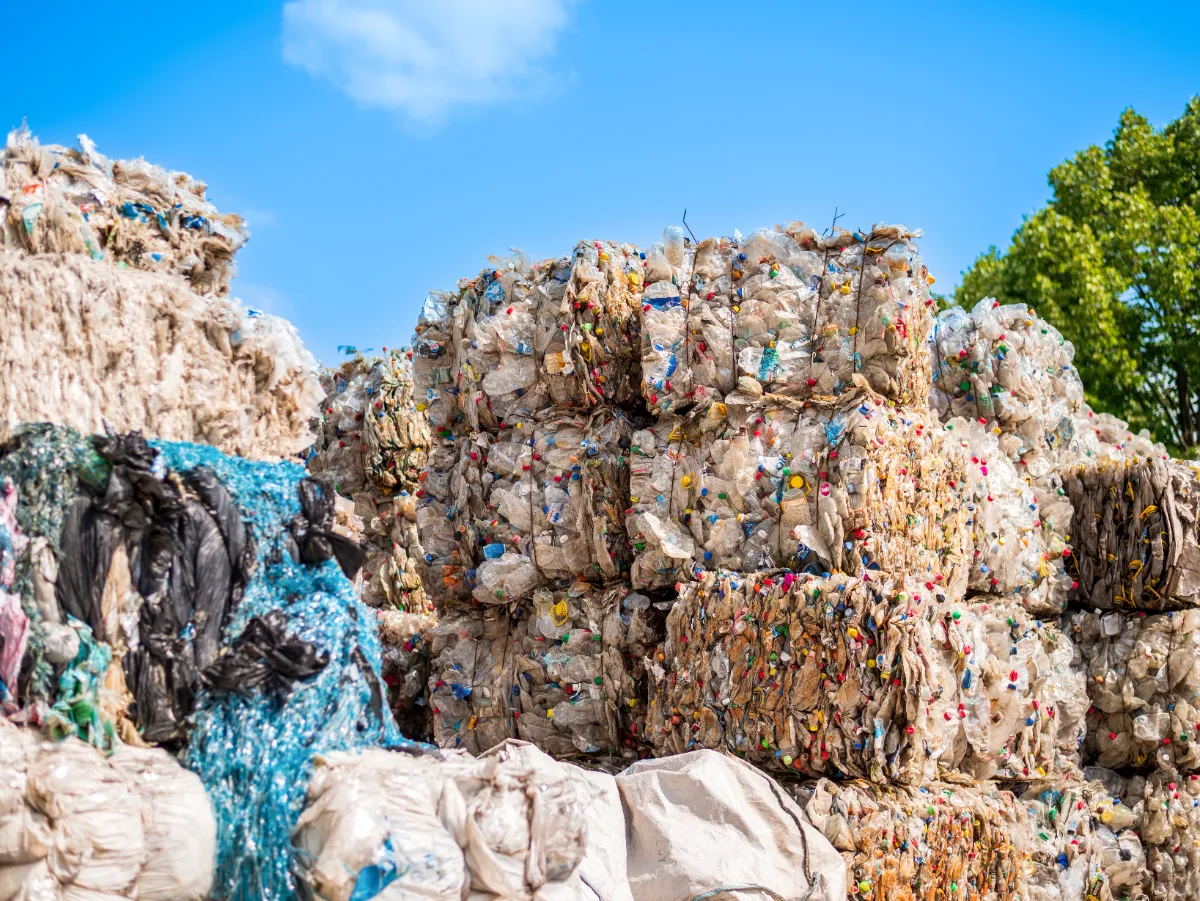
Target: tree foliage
{"x":1113,"y":260}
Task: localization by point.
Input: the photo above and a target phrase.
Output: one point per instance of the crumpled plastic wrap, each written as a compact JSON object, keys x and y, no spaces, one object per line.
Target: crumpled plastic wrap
{"x":561,"y":670}
{"x":513,"y":824}
{"x":792,"y":309}
{"x":373,"y":445}
{"x":941,"y":840}
{"x":1165,"y":806}
{"x":761,"y":483}
{"x":1084,"y":843}
{"x":75,"y":824}
{"x":544,"y":501}
{"x":1143,"y":677}
{"x":522,"y":337}
{"x":1135,"y":532}
{"x":128,"y":213}
{"x":89,"y":346}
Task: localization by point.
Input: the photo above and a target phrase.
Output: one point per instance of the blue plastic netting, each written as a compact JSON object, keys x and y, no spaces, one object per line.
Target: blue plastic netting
{"x":254,"y":752}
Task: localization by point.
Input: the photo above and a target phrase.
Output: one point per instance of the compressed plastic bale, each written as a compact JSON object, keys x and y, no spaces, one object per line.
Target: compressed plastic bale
{"x":75,"y":824}
{"x":88,"y":346}
{"x":523,"y":337}
{"x":14,"y":622}
{"x":1135,"y":535}
{"x":440,"y":502}
{"x":804,"y":315}
{"x":1002,"y":366}
{"x":1143,"y":677}
{"x":512,"y":824}
{"x":128,"y":213}
{"x":558,"y":671}
{"x":545,"y":501}
{"x":405,"y":639}
{"x":703,"y":825}
{"x":765,"y":482}
{"x":1165,"y":806}
{"x":1084,"y":843}
{"x":814,"y":676}
{"x":1018,"y":537}
{"x":938,"y":840}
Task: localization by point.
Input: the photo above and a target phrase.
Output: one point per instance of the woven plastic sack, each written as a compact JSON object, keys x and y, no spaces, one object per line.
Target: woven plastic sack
{"x":938,"y":840}
{"x":522,"y":337}
{"x":1165,"y":805}
{"x":79,"y":826}
{"x":764,"y":482}
{"x":514,"y":824}
{"x":791,"y":309}
{"x":139,"y":351}
{"x":1143,"y":677}
{"x":544,"y":501}
{"x":1135,"y":535}
{"x":703,"y":825}
{"x":552,"y":671}
{"x":128,"y":213}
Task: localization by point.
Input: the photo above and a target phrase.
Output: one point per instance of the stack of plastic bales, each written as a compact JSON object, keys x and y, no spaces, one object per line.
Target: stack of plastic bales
{"x":127,"y":267}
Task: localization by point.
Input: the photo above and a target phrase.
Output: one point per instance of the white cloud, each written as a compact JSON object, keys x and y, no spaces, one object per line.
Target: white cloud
{"x":425,"y":57}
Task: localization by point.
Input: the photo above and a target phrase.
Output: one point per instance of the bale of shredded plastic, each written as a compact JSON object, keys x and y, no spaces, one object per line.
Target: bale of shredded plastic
{"x":1083,"y":843}
{"x":1165,"y":807}
{"x":1143,"y":677}
{"x":75,"y":824}
{"x":373,"y":445}
{"x":944,"y":839}
{"x":89,"y":346}
{"x":761,"y":483}
{"x":558,"y":670}
{"x":1135,"y":533}
{"x":513,"y":824}
{"x":128,"y":213}
{"x":544,"y":501}
{"x":804,"y":315}
{"x":523,"y":337}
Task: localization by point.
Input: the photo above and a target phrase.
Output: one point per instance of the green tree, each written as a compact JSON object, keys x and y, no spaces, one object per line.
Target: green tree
{"x":1113,"y":260}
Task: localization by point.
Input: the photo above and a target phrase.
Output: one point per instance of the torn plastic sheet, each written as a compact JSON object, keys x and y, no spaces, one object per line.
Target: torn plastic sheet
{"x":1143,"y":677}
{"x":766,"y":483}
{"x":75,"y":823}
{"x":129,"y":213}
{"x":944,"y":839}
{"x":560,"y":670}
{"x":1135,"y":538}
{"x":789,"y":308}
{"x":523,"y":337}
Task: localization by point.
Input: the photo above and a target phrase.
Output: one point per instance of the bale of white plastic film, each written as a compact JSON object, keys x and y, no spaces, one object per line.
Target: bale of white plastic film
{"x":80,"y":826}
{"x":560,"y":671}
{"x":762,"y":482}
{"x":513,"y":824}
{"x":139,"y":351}
{"x":1143,"y":676}
{"x":522,"y":337}
{"x":802,"y":314}
{"x":937,"y":840}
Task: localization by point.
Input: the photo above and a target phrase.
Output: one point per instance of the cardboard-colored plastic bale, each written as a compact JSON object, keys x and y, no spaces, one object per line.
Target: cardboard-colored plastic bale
{"x":561,"y":670}
{"x":513,"y":824}
{"x":1084,"y":843}
{"x":78,"y":826}
{"x":1143,"y":676}
{"x":1165,"y":806}
{"x":544,"y":501}
{"x":128,"y":213}
{"x":766,"y":482}
{"x":804,"y":315}
{"x":1136,"y":533}
{"x":89,"y":346}
{"x":942,"y":840}
{"x":523,"y":337}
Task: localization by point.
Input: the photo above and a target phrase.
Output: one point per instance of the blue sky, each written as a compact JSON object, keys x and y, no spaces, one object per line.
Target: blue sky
{"x":380,"y":148}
